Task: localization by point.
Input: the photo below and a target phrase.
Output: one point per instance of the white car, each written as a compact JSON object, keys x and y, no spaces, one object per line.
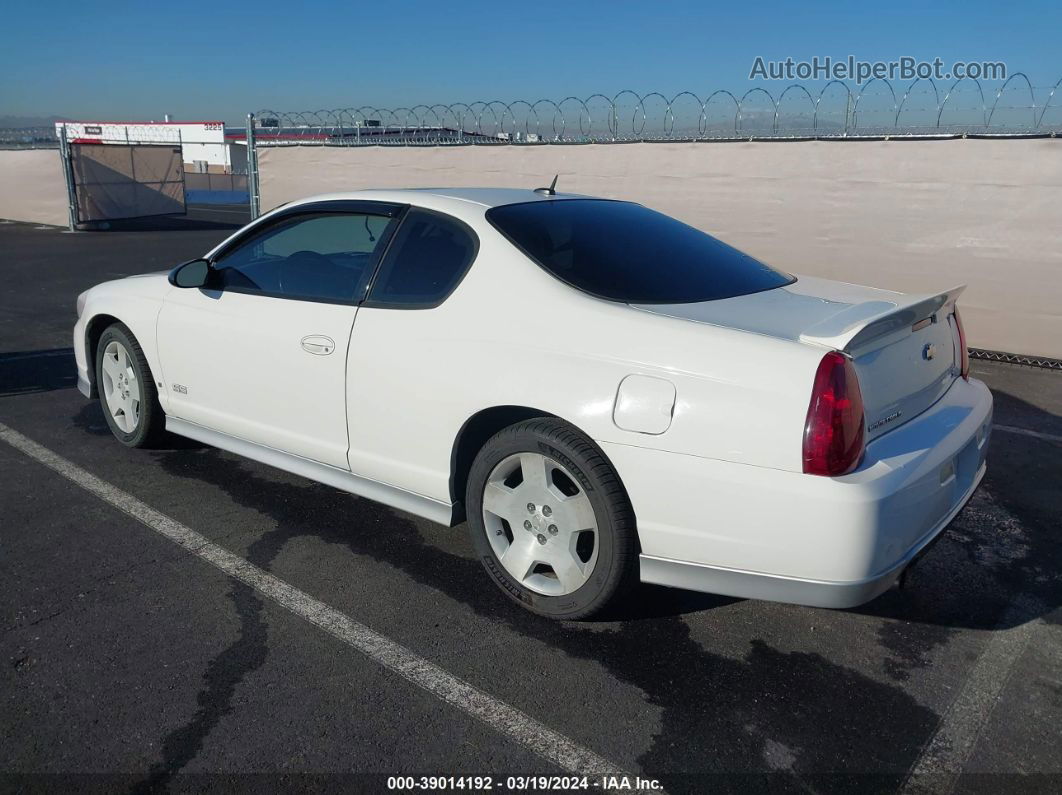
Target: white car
{"x":603,"y":392}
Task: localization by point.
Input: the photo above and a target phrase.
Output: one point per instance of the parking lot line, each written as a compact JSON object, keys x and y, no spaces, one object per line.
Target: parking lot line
{"x":1050,"y":437}
{"x":498,"y":715}
{"x":945,"y":755}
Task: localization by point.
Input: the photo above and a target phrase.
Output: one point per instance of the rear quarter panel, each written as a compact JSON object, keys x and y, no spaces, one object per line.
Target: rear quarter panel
{"x":511,"y":334}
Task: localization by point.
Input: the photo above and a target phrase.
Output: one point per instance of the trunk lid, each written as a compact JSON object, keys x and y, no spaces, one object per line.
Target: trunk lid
{"x":904,"y":347}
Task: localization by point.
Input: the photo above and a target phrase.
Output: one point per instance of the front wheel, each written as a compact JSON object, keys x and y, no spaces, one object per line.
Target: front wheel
{"x":127,"y":391}
{"x":550,"y":520}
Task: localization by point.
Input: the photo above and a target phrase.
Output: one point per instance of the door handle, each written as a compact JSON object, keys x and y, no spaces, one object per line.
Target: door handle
{"x":318,"y":344}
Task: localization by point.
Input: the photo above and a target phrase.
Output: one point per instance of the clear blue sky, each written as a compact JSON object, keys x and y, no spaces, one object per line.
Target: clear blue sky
{"x":200,"y":60}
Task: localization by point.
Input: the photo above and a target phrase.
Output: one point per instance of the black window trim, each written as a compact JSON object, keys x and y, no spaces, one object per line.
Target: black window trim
{"x":369,"y":303}
{"x":394,"y":211}
{"x":534,"y":259}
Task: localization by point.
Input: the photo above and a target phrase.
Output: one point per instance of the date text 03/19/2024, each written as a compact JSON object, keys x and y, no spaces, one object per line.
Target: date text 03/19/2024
{"x":610,"y":783}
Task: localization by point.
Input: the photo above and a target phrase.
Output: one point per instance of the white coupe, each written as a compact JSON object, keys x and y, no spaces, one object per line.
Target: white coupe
{"x":604,"y":393}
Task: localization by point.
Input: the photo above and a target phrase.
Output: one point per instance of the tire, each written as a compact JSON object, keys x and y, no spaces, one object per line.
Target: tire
{"x":127,"y":383}
{"x":550,"y":520}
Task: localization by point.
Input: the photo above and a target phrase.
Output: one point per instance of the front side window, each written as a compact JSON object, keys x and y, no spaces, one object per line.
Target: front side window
{"x":316,"y":257}
{"x":626,"y":252}
{"x":429,"y":256}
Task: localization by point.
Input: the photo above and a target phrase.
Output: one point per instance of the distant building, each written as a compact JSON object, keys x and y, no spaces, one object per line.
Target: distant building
{"x":205,"y":147}
{"x":274,"y":132}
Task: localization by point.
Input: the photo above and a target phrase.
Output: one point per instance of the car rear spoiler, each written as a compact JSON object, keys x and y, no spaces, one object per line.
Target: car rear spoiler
{"x":861,"y":324}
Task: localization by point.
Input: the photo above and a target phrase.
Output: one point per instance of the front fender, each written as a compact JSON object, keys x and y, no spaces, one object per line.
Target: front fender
{"x":135,"y":302}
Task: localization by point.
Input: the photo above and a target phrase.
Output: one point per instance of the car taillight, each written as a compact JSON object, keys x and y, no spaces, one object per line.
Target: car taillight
{"x":833,"y":433}
{"x":964,"y":352}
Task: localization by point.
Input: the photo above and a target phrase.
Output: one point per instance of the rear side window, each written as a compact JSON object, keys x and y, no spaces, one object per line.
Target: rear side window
{"x":626,"y":252}
{"x":429,"y":256}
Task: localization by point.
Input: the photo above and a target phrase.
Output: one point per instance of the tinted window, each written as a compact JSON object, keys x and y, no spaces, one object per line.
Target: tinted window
{"x":626,"y":252}
{"x":323,"y":257}
{"x":427,"y":259}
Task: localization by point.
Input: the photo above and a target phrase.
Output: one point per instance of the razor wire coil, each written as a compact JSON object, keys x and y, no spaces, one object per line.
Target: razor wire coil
{"x":876,"y":109}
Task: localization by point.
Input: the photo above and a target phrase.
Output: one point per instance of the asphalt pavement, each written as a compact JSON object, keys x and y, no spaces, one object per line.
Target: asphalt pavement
{"x":257,"y":656}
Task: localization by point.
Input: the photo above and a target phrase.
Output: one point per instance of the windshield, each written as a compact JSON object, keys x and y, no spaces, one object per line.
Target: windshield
{"x":625,"y":252}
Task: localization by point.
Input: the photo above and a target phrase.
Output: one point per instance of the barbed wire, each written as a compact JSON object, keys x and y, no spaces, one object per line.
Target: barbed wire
{"x":45,"y":137}
{"x":876,"y":109}
{"x":879,"y":108}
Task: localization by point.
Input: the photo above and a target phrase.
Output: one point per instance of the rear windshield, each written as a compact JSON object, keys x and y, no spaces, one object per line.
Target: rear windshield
{"x":625,"y":252}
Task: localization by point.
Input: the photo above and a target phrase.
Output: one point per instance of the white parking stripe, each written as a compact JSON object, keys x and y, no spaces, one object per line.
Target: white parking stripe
{"x":945,"y":756}
{"x":1050,"y":437}
{"x":503,"y":718}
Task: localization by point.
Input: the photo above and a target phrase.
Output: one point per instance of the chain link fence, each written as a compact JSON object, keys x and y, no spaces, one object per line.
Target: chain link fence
{"x":877,"y":109}
{"x":45,"y":137}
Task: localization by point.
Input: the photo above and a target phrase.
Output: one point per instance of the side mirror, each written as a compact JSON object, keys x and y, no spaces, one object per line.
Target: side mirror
{"x":191,"y":274}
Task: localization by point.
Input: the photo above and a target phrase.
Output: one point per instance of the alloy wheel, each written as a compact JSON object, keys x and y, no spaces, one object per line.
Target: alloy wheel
{"x":540,"y":523}
{"x":121,"y":388}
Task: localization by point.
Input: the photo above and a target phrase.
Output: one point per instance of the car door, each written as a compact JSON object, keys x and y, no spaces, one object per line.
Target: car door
{"x":401,"y":423}
{"x":260,"y":352}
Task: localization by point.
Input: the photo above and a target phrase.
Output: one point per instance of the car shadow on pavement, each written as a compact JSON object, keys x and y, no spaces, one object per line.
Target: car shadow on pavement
{"x":91,"y":420}
{"x":33,"y":372}
{"x":28,"y":372}
{"x":772,"y":714}
{"x":198,"y":218}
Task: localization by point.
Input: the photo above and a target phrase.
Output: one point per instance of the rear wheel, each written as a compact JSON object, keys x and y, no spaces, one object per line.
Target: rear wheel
{"x":127,"y":390}
{"x":550,"y":520}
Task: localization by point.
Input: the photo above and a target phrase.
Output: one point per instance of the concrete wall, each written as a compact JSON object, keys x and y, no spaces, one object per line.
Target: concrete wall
{"x":915,"y":216}
{"x":32,"y":186}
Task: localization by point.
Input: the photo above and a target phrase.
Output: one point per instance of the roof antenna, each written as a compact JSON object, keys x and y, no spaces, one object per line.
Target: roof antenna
{"x":551,"y":190}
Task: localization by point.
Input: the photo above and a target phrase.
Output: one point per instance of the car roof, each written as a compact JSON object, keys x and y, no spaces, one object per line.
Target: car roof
{"x":487,"y":197}
{"x":459,"y":202}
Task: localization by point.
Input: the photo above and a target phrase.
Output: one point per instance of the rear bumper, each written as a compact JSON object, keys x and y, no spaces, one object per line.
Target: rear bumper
{"x":814,"y":593}
{"x":760,"y":533}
